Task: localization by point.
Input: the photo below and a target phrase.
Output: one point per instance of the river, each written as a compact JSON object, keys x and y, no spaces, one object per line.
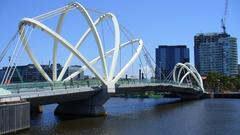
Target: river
{"x":128,"y":116}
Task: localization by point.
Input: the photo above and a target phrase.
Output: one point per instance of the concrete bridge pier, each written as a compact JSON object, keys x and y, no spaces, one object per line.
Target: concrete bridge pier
{"x":36,"y":109}
{"x":92,"y":106}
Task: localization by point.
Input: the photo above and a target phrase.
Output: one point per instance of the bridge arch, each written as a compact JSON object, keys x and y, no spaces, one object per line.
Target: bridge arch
{"x":108,"y":79}
{"x":179,"y":76}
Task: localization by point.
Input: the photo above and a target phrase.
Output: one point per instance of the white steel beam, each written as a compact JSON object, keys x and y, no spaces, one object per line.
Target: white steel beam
{"x":55,"y":46}
{"x":65,"y":43}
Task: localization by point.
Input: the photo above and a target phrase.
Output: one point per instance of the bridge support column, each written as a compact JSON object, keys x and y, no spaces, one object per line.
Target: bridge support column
{"x":111,"y":87}
{"x":92,"y":106}
{"x":36,"y":109}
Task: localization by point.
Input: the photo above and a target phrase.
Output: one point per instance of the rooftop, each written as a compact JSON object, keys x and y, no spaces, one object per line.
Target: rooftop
{"x":173,"y":46}
{"x":212,"y":34}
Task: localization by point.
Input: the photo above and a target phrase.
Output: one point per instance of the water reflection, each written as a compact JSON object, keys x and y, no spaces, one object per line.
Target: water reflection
{"x":146,"y":116}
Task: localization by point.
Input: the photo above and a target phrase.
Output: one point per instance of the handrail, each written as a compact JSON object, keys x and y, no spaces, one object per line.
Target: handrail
{"x":46,"y":86}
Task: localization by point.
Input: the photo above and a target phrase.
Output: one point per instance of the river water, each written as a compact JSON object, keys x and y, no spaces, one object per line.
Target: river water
{"x":128,"y":116}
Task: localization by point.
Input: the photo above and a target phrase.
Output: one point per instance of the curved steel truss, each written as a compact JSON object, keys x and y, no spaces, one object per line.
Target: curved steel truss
{"x":110,"y":78}
{"x":182,"y":71}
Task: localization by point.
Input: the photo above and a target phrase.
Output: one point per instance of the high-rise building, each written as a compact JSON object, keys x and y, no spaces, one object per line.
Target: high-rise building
{"x":167,"y":57}
{"x":216,"y":52}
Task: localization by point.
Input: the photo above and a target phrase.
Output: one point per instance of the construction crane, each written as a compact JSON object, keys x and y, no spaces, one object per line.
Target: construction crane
{"x":223,"y":20}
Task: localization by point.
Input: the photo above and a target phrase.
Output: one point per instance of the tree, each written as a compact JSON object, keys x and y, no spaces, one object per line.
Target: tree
{"x":216,"y":82}
{"x":212,"y":82}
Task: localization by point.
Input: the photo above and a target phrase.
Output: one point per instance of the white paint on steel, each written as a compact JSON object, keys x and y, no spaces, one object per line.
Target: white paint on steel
{"x":82,"y":39}
{"x":83,"y":68}
{"x":108,"y":78}
{"x":32,"y":57}
{"x":84,"y":12}
{"x":55,"y":46}
{"x":135,"y":56}
{"x":191,"y":70}
{"x":63,"y":42}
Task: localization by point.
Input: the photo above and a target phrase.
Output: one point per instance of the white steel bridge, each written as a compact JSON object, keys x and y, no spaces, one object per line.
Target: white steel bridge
{"x":185,"y":78}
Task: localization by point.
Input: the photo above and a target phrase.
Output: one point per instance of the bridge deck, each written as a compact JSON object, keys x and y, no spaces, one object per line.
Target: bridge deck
{"x":48,"y":95}
{"x":159,"y":87}
{"x":54,"y":96}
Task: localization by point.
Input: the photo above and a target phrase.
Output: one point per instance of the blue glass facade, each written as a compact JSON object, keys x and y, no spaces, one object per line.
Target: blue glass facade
{"x":167,"y":57}
{"x":216,"y":52}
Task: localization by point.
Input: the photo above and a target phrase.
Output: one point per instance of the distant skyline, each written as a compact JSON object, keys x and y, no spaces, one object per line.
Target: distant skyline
{"x":157,"y":22}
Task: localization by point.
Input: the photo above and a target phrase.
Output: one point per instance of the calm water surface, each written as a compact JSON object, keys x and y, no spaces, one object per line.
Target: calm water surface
{"x":146,"y":117}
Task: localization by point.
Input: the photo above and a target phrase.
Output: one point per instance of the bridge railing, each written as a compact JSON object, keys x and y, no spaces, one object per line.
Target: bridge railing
{"x":46,"y":86}
{"x":144,"y":81}
{"x":154,"y":81}
{"x":71,"y":85}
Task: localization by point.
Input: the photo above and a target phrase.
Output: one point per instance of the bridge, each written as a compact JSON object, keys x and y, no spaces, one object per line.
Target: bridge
{"x":86,"y":97}
{"x":81,"y":97}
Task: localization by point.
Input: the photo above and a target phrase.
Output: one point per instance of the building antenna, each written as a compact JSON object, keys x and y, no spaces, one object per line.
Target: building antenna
{"x":223,"y":20}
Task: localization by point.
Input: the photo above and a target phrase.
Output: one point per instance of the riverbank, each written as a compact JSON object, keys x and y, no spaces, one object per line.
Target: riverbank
{"x":224,"y":95}
{"x":169,"y":95}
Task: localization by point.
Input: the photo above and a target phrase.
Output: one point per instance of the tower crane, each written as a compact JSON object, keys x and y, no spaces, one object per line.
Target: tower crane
{"x":223,"y":20}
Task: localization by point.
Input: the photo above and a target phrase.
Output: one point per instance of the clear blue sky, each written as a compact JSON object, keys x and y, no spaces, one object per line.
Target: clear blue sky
{"x":155,"y":21}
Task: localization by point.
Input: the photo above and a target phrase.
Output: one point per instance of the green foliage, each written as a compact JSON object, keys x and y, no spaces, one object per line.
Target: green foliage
{"x":216,"y":82}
